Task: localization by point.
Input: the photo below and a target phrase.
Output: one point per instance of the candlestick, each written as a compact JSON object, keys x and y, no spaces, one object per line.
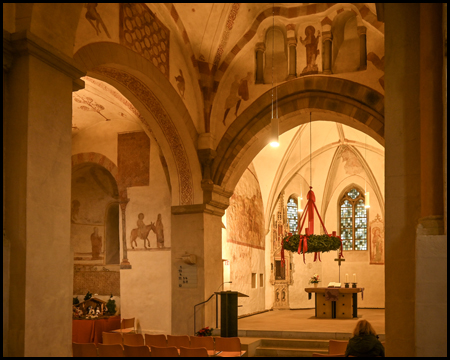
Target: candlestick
{"x":347,"y":285}
{"x":346,"y":278}
{"x":354,"y":278}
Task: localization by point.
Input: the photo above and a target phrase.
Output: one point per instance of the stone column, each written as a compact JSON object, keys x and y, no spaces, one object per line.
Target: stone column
{"x":431,"y":245}
{"x":37,"y":155}
{"x":292,"y":42}
{"x":327,"y":38}
{"x":362,"y":47}
{"x":125,"y":264}
{"x":402,"y":176}
{"x":431,"y":122}
{"x":197,"y":230}
{"x":259,"y":49}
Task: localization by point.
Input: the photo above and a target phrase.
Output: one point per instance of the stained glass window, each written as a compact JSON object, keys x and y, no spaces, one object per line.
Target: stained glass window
{"x":353,"y":221}
{"x":292,"y":215}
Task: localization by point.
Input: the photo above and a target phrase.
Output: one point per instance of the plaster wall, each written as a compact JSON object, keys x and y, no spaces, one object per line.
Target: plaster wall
{"x":102,"y":137}
{"x":146,"y":291}
{"x":146,"y":287}
{"x":243,"y":245}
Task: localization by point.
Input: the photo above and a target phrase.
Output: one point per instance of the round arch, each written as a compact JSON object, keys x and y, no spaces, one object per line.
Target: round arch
{"x":99,"y":159}
{"x":163,"y":113}
{"x":327,"y":98}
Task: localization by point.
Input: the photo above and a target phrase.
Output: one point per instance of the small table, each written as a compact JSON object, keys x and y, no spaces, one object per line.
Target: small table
{"x":345,"y":307}
{"x":90,"y":331}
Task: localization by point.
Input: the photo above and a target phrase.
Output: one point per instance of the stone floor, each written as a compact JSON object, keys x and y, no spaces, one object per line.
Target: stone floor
{"x":304,"y":321}
{"x":297,"y":333}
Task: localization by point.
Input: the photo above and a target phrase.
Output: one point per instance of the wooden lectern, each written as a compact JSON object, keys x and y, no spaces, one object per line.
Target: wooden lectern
{"x":229,"y":312}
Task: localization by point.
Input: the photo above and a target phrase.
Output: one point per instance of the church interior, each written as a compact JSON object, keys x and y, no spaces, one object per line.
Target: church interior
{"x":138,"y":164}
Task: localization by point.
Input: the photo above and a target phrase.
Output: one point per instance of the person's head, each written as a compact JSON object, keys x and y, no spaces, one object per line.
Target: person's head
{"x":363,"y":327}
{"x":140,"y":216}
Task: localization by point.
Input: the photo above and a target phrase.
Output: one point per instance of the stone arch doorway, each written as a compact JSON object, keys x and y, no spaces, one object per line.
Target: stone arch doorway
{"x":160,"y":119}
{"x":326,"y":98}
{"x":94,"y":215}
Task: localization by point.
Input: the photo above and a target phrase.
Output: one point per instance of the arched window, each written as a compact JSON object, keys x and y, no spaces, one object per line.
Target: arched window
{"x":292,"y":214}
{"x":353,"y":220}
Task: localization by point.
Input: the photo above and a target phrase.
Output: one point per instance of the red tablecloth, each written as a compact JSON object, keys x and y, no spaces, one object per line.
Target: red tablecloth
{"x":90,"y":331}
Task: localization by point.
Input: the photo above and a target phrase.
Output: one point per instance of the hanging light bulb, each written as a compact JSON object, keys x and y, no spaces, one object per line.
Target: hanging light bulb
{"x":300,"y":205}
{"x":274,"y":133}
{"x":367,"y":200}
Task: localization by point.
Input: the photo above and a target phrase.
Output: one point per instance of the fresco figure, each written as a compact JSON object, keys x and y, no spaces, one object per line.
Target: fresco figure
{"x":376,"y":241}
{"x":159,"y":230}
{"x":238,"y":92}
{"x":141,"y":226}
{"x":180,"y":83}
{"x":96,"y":241}
{"x":311,"y":42}
{"x":92,"y":15}
{"x":141,"y":232}
{"x":377,"y":244}
{"x":233,"y":99}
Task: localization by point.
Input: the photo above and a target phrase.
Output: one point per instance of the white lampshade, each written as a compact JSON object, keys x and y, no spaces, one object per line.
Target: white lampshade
{"x":274,"y":133}
{"x":299,"y":202}
{"x":367,"y":204}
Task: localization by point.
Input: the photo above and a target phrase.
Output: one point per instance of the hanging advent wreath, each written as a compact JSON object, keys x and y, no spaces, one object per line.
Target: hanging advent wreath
{"x":316,"y":243}
{"x":311,"y":243}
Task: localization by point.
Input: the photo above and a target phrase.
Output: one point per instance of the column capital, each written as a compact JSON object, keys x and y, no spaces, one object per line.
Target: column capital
{"x":361,"y":30}
{"x":215,"y":201}
{"x":260,"y":46}
{"x":292,"y":41}
{"x":327,"y":35}
{"x":26,"y":43}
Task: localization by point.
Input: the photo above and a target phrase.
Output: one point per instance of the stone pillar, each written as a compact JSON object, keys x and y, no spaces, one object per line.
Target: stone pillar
{"x":362,"y":47}
{"x":327,"y":38}
{"x":260,"y":49}
{"x":431,"y":122}
{"x":37,"y":155}
{"x":416,"y":262}
{"x":197,"y":230}
{"x":431,"y":246}
{"x":125,"y":264}
{"x":292,"y":42}
{"x":402,"y":174}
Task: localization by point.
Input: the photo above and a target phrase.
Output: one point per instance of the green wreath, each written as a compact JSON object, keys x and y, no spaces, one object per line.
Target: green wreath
{"x":316,"y":243}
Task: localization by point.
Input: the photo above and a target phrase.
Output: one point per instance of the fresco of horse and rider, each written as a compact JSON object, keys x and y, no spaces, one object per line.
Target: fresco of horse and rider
{"x":144,"y":234}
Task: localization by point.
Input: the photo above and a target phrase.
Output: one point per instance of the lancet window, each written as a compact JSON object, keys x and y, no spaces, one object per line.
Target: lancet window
{"x":292,"y":214}
{"x":353,"y":220}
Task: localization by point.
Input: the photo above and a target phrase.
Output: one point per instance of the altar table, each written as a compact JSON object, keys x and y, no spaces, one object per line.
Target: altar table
{"x":90,"y":331}
{"x":343,"y":306}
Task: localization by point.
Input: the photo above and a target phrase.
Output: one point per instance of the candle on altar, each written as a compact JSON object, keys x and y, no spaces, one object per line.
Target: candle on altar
{"x":346,"y":278}
{"x":354,"y":278}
